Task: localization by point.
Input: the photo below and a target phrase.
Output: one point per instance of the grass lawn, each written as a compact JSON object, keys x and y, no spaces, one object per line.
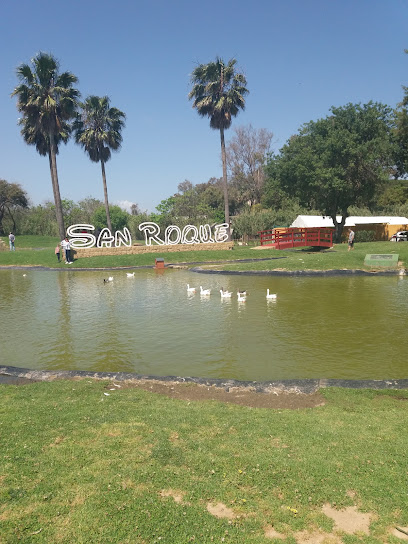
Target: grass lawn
{"x":336,"y":258}
{"x":82,"y":463}
{"x":39,"y":251}
{"x":33,"y":242}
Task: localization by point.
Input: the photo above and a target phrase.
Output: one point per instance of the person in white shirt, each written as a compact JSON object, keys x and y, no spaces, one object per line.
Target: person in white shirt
{"x":66,"y":246}
{"x":11,"y":241}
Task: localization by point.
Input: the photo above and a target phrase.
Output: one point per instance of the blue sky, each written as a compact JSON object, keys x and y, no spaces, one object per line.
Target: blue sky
{"x":299,"y":57}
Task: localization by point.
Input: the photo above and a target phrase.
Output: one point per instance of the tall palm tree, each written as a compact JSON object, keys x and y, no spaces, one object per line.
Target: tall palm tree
{"x":98,"y":130}
{"x":218,"y":93}
{"x":48,"y":102}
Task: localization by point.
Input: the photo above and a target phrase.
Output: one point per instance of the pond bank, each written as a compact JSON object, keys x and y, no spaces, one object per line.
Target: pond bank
{"x":200,"y":270}
{"x":305,"y":386}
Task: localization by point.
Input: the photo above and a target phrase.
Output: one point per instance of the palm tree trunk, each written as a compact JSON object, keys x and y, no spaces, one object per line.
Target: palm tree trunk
{"x":105,"y":192}
{"x":224,"y":181}
{"x":55,"y":187}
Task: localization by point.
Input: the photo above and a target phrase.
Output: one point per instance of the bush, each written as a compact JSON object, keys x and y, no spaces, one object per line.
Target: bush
{"x":251,"y":222}
{"x":365,"y":236}
{"x":119,"y":218}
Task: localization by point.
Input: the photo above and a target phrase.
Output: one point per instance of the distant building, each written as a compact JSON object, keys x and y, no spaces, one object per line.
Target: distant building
{"x":383,"y":226}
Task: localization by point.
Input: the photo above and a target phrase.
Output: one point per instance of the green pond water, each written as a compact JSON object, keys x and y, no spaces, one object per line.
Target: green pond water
{"x":319,"y":327}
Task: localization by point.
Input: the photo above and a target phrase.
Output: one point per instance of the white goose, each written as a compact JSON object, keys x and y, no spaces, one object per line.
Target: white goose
{"x":130,"y":275}
{"x":190,"y":289}
{"x":204,"y":291}
{"x":225,"y":294}
{"x":241,"y":296}
{"x":271,"y":296}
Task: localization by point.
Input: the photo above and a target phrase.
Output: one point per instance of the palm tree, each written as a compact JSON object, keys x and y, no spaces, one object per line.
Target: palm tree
{"x":218,"y":93}
{"x":48,"y":102}
{"x":98,"y":130}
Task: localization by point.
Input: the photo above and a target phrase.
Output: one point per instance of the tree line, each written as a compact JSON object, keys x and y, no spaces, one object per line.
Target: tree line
{"x":355,"y":160}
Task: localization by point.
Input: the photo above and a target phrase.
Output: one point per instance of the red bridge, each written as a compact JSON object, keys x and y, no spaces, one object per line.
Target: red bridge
{"x":295,"y":237}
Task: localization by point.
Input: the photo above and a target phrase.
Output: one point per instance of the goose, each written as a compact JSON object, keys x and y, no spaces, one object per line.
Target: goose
{"x":190,"y":289}
{"x":130,"y":275}
{"x":241,"y":296}
{"x":225,"y":294}
{"x":204,"y":291}
{"x":24,"y":275}
{"x":271,"y":296}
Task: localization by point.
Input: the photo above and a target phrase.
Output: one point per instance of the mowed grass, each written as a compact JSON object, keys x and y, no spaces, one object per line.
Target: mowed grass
{"x":39,"y":251}
{"x":136,"y":467}
{"x":33,"y":242}
{"x":336,"y":258}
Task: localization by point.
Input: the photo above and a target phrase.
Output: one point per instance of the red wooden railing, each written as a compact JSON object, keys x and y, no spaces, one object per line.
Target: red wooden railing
{"x":281,"y":238}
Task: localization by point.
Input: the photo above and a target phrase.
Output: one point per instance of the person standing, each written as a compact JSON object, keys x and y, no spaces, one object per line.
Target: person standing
{"x":67,"y":248}
{"x":11,"y":241}
{"x":57,"y":252}
{"x":350,"y":240}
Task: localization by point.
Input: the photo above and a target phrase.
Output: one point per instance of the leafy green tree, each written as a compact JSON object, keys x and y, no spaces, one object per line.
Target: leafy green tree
{"x":133,"y":224}
{"x":165,"y":215}
{"x":87,"y":206}
{"x":40,"y":220}
{"x":12,"y":197}
{"x":119,"y":218}
{"x":401,"y":135}
{"x":48,"y":102}
{"x":72,"y":212}
{"x":394,"y":194}
{"x":211,"y":200}
{"x":98,"y":130}
{"x":338,"y":161}
{"x":218,"y":93}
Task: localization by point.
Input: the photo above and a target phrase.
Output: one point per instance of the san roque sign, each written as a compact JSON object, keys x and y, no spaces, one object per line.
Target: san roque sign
{"x":80,"y":235}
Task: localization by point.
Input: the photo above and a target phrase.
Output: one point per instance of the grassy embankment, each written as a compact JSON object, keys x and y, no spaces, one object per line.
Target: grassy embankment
{"x":136,"y":467}
{"x":39,"y":250}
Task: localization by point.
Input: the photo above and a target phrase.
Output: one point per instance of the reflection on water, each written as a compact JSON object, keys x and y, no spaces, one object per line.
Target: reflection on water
{"x":345,"y":327}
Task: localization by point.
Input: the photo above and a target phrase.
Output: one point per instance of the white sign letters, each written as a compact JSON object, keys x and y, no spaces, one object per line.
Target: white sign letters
{"x":80,"y":235}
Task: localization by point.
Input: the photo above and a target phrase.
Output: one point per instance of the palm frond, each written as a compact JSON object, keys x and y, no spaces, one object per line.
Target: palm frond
{"x":97,"y":128}
{"x":47,"y":100}
{"x":218,"y":91}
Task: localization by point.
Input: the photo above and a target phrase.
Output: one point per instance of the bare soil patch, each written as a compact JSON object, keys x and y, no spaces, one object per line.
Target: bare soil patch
{"x":176,"y":495}
{"x":219,"y":510}
{"x":349,"y":519}
{"x":270,"y":532}
{"x":244,"y":396}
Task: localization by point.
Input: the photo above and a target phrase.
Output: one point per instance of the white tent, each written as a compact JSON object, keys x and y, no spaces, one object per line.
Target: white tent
{"x":313,"y":221}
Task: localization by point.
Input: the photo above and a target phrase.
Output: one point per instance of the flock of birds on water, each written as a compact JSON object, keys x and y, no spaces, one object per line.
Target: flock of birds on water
{"x":207,"y":292}
{"x":228,"y":294}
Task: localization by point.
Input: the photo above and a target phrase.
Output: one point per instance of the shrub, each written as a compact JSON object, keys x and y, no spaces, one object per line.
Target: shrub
{"x":365,"y":236}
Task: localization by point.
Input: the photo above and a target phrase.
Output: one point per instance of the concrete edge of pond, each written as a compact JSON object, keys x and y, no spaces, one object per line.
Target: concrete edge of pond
{"x":130,"y":267}
{"x":334,"y":272}
{"x":200,"y":270}
{"x":16,"y":376}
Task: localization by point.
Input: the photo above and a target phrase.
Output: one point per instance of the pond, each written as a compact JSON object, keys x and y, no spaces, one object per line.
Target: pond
{"x":318,"y":327}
